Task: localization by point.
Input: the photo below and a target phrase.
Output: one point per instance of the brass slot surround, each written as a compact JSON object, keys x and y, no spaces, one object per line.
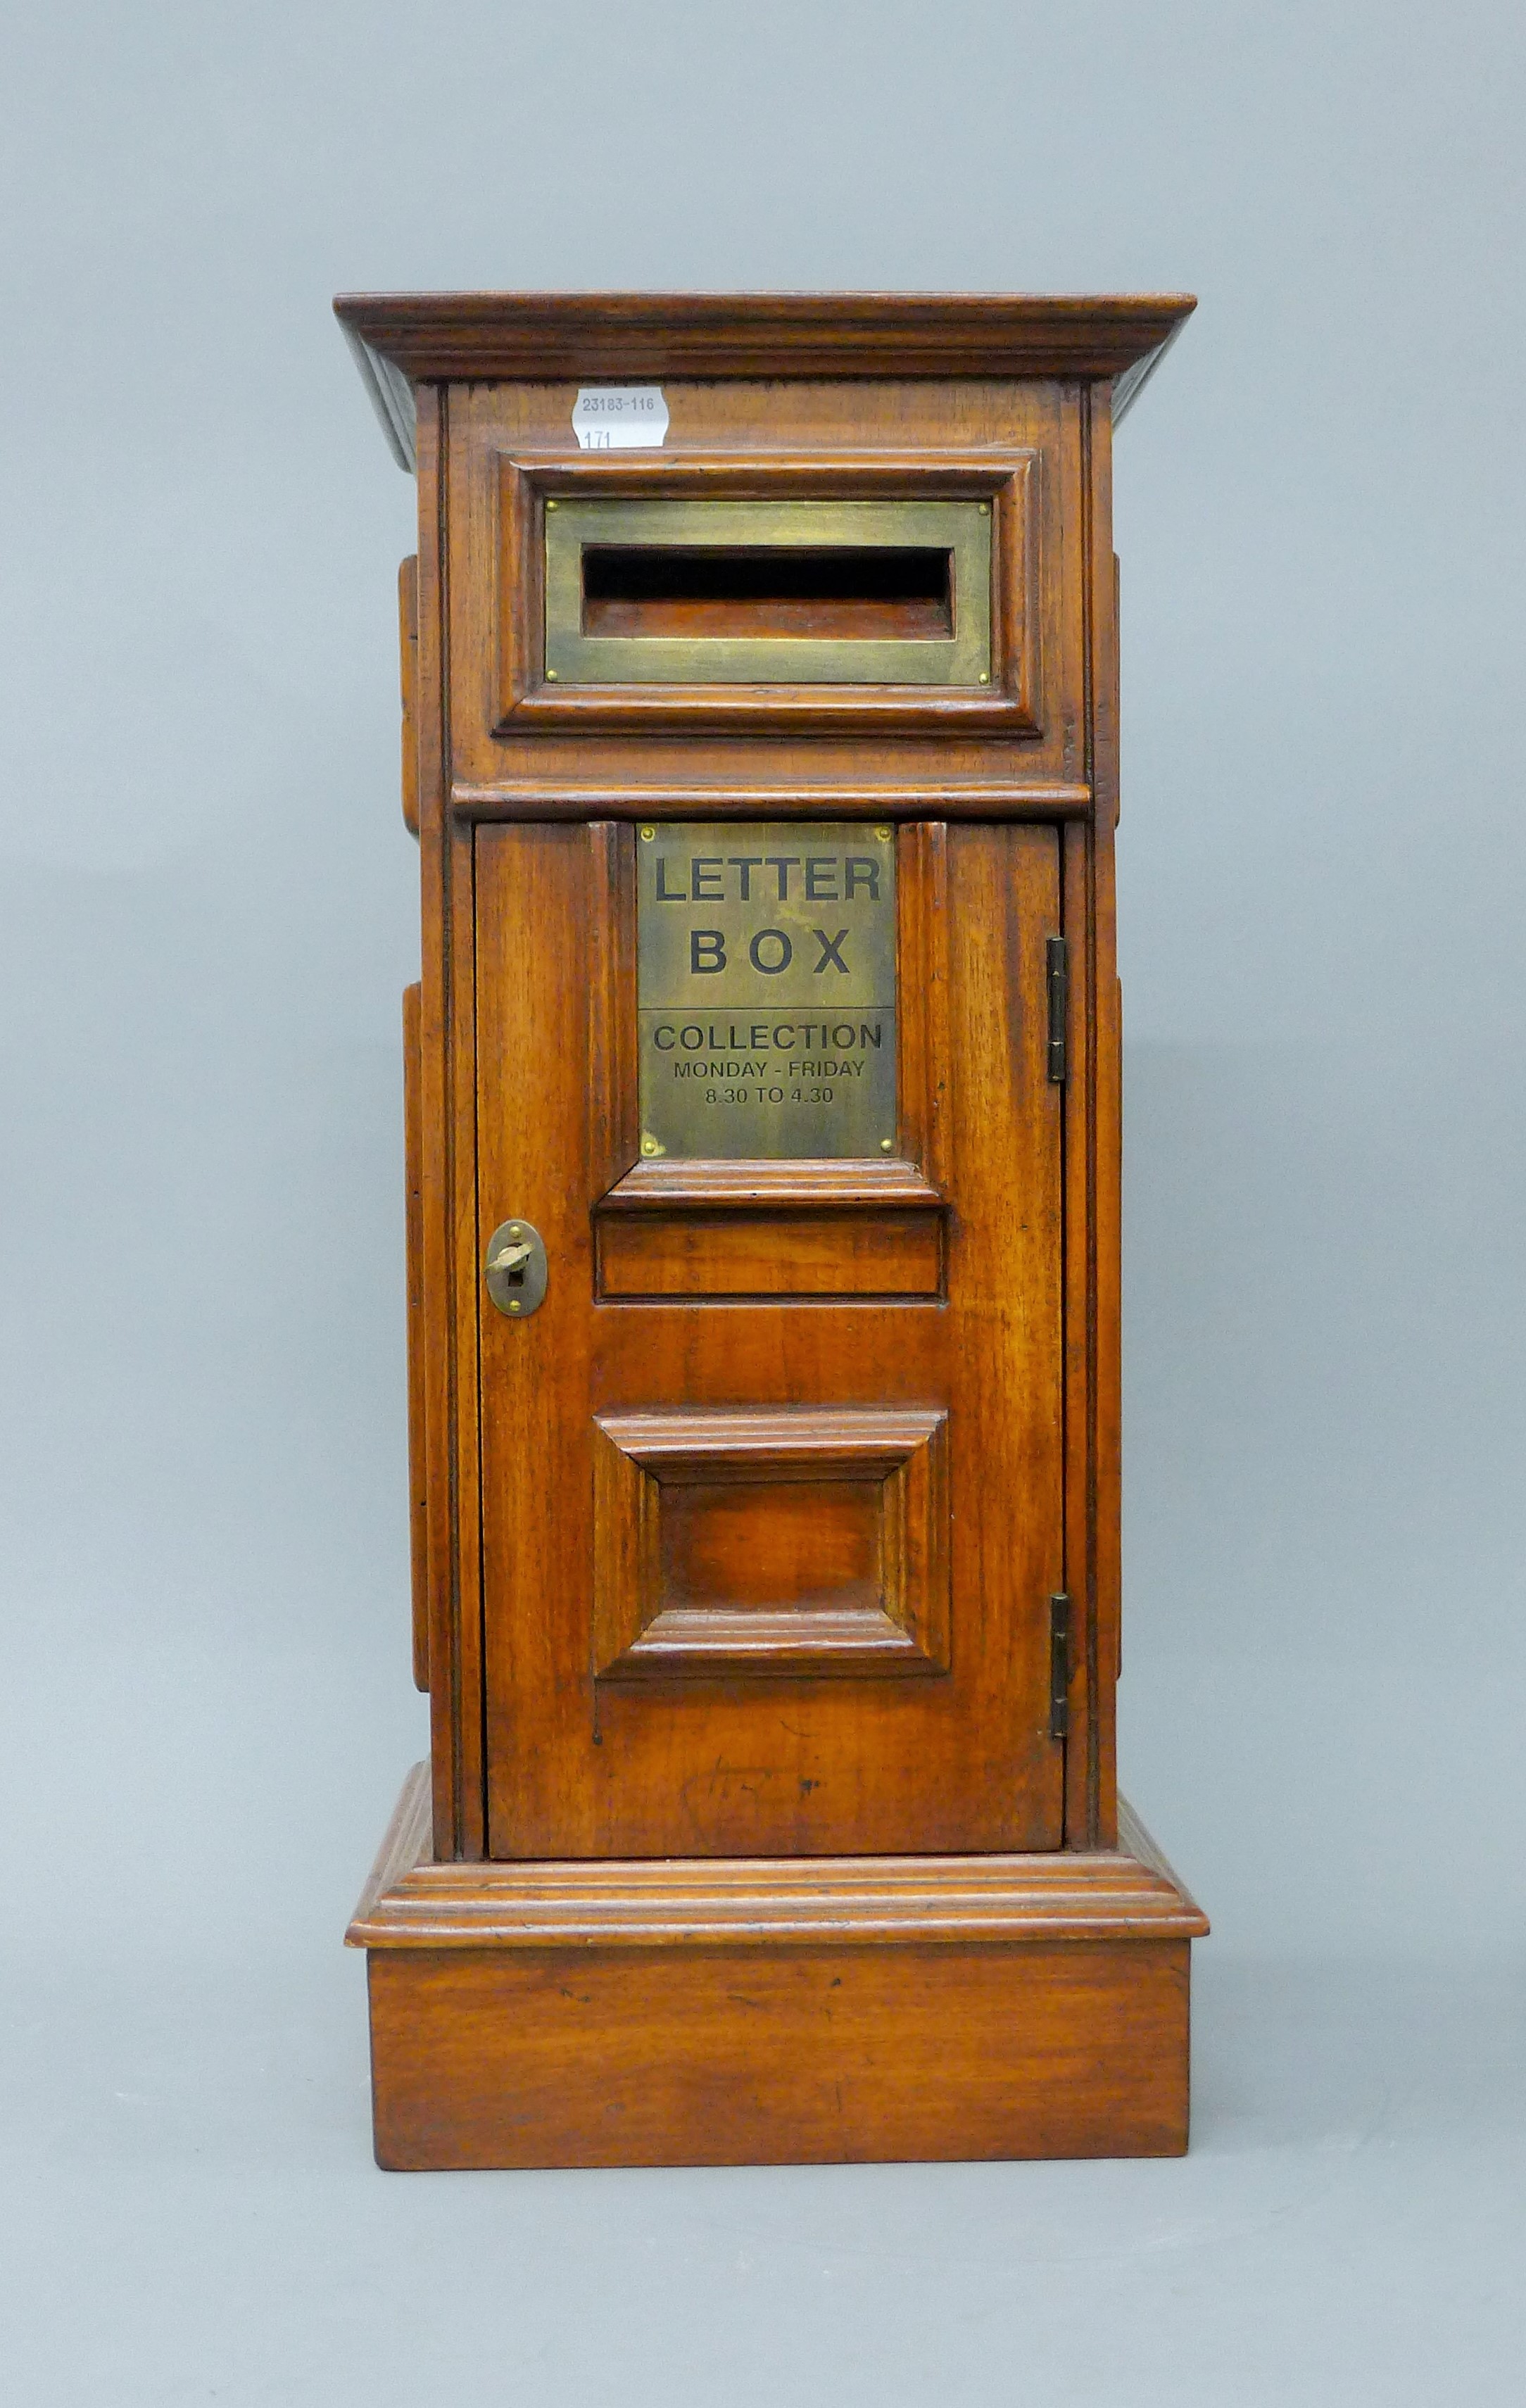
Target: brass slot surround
{"x":960,"y":528}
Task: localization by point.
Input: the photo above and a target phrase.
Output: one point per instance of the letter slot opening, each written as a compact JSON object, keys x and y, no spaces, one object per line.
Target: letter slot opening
{"x":868,"y":590}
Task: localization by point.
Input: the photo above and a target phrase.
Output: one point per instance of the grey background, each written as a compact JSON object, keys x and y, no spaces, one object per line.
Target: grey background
{"x":208,"y":910}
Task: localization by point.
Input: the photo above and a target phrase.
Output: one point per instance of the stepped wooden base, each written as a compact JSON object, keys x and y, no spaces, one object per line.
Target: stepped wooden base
{"x":752,"y":2012}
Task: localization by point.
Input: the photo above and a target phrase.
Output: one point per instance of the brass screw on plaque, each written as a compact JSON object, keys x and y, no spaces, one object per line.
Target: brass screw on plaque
{"x":985,"y":508}
{"x":550,"y":676}
{"x":650,"y":1145}
{"x":886,"y":1145}
{"x":647,"y":835}
{"x":551,"y":506}
{"x":884,"y":835}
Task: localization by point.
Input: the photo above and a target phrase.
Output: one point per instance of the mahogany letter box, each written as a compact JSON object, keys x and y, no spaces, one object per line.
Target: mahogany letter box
{"x":762,"y":1099}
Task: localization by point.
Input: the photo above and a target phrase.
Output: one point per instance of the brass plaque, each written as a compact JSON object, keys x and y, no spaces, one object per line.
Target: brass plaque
{"x":767,"y":989}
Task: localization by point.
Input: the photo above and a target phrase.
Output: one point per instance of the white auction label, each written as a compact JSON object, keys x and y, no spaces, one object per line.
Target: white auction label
{"x":619,"y":417}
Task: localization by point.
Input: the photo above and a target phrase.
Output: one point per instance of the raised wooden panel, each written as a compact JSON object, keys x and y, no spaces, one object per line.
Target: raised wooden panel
{"x":746,"y":1543}
{"x":778,"y":1254}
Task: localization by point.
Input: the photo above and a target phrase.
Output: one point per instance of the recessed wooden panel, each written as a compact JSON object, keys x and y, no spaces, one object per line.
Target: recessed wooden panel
{"x":770,"y":1542}
{"x":755,"y":1546}
{"x":793,"y":1254}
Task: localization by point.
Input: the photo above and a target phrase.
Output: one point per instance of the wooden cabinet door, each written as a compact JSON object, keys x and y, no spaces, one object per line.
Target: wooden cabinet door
{"x":771,"y":1478}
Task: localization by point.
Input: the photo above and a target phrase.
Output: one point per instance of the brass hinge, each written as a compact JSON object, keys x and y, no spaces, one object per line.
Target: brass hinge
{"x":1057,"y":980}
{"x":1060,"y":1666}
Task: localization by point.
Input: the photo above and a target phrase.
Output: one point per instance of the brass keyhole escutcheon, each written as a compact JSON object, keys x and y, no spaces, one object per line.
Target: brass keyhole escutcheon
{"x":514,"y":1268}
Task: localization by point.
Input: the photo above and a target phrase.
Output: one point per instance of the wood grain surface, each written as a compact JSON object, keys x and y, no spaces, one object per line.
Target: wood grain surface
{"x":412,"y":1898}
{"x":515,"y":735}
{"x":722,"y":2013}
{"x":823,"y":2055}
{"x":780,"y":1254}
{"x":578,"y":1766}
{"x":615,"y":336}
{"x":626,"y":1191}
{"x":418,"y":1515}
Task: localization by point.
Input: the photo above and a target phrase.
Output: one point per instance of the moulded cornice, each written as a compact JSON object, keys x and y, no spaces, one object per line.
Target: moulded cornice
{"x":446,"y":336}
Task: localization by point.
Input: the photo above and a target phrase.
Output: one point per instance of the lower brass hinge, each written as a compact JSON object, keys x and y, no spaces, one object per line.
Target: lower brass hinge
{"x":1060,"y":1666}
{"x":1057,"y":982}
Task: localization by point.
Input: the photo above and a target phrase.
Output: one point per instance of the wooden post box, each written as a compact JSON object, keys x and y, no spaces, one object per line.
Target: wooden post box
{"x":760,"y":737}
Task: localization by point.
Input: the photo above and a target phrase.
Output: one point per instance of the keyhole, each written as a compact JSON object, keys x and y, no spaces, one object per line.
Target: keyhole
{"x":516,"y":1267}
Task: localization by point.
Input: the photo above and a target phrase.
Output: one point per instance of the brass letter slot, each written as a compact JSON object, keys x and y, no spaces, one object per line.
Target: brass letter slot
{"x":698,"y":592}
